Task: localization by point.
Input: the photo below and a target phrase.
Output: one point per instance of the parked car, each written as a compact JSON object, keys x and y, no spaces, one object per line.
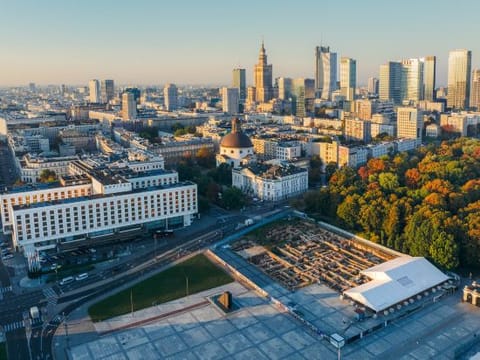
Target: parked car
{"x":67,"y":280}
{"x":81,"y":276}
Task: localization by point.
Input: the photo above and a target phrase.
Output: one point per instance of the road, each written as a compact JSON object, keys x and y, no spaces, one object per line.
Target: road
{"x":14,"y":308}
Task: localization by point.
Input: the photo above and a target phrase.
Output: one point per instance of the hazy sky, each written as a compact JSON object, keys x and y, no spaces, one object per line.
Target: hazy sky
{"x":199,"y":42}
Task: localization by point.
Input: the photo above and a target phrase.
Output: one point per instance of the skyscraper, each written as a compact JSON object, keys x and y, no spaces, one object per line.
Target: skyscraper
{"x":325,"y":72}
{"x":170,"y":97}
{"x":459,"y":70}
{"x":429,"y":77}
{"x":475,"y":95}
{"x":411,"y":88}
{"x":107,"y":91}
{"x":263,"y":77}
{"x":372,"y":86}
{"x":129,"y":106}
{"x":94,"y":88}
{"x":348,"y":77}
{"x":230,"y":100}
{"x":239,"y":82}
{"x":284,"y":88}
{"x":390,"y":82}
{"x":409,"y":123}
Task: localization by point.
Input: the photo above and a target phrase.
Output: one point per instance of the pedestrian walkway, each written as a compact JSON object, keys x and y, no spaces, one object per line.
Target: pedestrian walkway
{"x":14,"y":326}
{"x":5,"y":289}
{"x":51,"y":296}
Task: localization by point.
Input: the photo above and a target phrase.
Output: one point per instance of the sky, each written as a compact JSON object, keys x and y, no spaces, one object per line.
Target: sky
{"x":199,"y":42}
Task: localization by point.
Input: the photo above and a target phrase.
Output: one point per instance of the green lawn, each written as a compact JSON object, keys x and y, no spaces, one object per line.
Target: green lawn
{"x":3,"y":351}
{"x":165,"y":286}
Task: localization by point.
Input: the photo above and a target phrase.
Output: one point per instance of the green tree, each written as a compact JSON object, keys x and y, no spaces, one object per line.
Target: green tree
{"x":444,"y":251}
{"x":348,"y":210}
{"x":233,"y":198}
{"x":388,"y":181}
{"x":47,"y":176}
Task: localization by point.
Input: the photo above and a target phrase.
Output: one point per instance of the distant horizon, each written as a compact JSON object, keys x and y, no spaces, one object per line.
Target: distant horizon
{"x":69,"y":42}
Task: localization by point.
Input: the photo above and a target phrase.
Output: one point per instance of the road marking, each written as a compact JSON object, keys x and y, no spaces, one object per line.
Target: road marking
{"x":3,"y":290}
{"x":51,"y":296}
{"x":14,"y":326}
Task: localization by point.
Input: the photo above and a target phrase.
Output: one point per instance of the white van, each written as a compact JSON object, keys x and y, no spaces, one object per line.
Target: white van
{"x":81,"y":277}
{"x":67,"y":280}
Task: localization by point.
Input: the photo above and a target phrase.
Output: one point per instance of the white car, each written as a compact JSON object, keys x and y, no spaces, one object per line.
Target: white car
{"x":81,"y":276}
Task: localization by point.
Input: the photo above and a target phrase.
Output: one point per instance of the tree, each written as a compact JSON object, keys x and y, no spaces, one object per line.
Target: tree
{"x":47,"y":176}
{"x":233,"y":198}
{"x":348,"y":210}
{"x":388,"y":181}
{"x":205,"y":157}
{"x":412,"y":178}
{"x":444,"y":251}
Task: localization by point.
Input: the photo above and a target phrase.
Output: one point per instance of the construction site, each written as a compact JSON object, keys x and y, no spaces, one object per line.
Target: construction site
{"x":299,"y":253}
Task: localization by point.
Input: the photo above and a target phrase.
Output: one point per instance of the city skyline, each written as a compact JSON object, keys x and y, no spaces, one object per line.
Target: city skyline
{"x":57,"y":42}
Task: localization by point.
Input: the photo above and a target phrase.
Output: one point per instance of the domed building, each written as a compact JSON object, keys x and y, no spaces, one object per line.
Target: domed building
{"x":236,"y":148}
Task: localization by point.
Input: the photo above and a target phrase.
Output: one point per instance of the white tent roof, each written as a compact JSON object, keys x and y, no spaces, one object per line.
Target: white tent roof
{"x":395,"y":281}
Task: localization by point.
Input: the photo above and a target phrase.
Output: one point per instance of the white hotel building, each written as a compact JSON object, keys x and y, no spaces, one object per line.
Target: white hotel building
{"x":95,"y":205}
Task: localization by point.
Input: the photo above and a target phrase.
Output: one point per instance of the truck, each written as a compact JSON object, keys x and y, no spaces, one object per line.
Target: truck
{"x":248,"y":222}
{"x":34,"y":312}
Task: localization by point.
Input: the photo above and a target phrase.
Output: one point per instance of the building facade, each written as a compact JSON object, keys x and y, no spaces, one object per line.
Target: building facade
{"x":475,"y":94}
{"x":94,"y":91}
{"x":409,"y":123}
{"x":390,"y":82}
{"x":129,"y":106}
{"x":170,"y":95}
{"x":230,"y":100}
{"x":263,"y":77}
{"x":239,"y":81}
{"x":459,"y":71}
{"x":348,"y":78}
{"x":325,"y":72}
{"x":429,"y":77}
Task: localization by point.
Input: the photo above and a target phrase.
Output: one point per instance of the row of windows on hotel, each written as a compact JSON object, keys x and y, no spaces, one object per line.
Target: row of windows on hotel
{"x":45,"y":223}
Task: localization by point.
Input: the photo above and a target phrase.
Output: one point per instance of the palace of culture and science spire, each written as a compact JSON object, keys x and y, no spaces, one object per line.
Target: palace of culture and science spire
{"x":263,"y":78}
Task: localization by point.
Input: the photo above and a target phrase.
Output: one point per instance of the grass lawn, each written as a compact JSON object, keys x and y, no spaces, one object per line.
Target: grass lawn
{"x":3,"y":351}
{"x":165,"y":286}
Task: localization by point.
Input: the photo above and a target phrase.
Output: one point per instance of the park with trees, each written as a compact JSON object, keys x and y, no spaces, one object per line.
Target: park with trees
{"x":423,"y":203}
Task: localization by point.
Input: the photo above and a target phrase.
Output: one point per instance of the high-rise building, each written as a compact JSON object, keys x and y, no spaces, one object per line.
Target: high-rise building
{"x":32,"y":87}
{"x":94,"y":88}
{"x":372,"y":86}
{"x":284,"y":88}
{"x":411,"y":88}
{"x":230,"y":100}
{"x":170,"y":94}
{"x":475,"y":94}
{"x":390,"y":82}
{"x":325,"y":72}
{"x":459,"y":70}
{"x":136,"y":93}
{"x":348,"y":77}
{"x":298,"y":97}
{"x":107,"y":91}
{"x":409,"y":123}
{"x":240,"y":82}
{"x":429,"y":77}
{"x":263,"y":77}
{"x":129,"y":106}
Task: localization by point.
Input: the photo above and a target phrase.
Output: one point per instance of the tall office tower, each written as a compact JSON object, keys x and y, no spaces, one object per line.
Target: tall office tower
{"x":32,"y":87}
{"x":348,"y":77}
{"x":429,"y":77}
{"x":390,"y":82}
{"x":459,"y":70}
{"x":251,"y":94}
{"x":107,"y":91}
{"x":136,"y":93}
{"x":170,"y":97}
{"x":263,"y":77}
{"x":240,"y":82}
{"x":372,"y":86}
{"x":475,"y":94}
{"x":284,"y":88}
{"x":411,"y":88}
{"x":325,"y":72}
{"x":94,"y":88}
{"x":298,"y":90}
{"x":129,"y":106}
{"x":230,"y":100}
{"x":409,"y":123}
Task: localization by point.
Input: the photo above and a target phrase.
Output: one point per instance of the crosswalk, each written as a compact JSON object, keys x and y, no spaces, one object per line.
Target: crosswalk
{"x":5,"y":289}
{"x":51,"y":296}
{"x":14,"y":326}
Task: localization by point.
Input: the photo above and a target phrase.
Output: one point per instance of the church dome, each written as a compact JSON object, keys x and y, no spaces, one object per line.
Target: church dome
{"x":237,"y":138}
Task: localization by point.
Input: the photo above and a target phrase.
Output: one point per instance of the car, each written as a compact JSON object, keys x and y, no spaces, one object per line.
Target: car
{"x":54,"y":266}
{"x":92,"y":250}
{"x":7,"y":256}
{"x":81,"y":276}
{"x":67,"y":280}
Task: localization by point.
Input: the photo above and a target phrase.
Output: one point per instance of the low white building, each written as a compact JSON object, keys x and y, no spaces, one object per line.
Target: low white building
{"x":395,"y":282}
{"x":32,"y":166}
{"x":236,"y":148}
{"x":271,"y":182}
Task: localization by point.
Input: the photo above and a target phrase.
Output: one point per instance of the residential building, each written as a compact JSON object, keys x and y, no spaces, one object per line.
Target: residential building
{"x":230,"y":100}
{"x":459,"y":72}
{"x":409,"y":123}
{"x":357,"y":130}
{"x":475,"y":94}
{"x":170,"y":95}
{"x":129,"y":106}
{"x":348,"y":78}
{"x":94,"y":91}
